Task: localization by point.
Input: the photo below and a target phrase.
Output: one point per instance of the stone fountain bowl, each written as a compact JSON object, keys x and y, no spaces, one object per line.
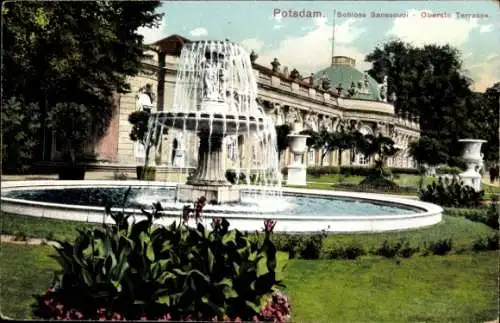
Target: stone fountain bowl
{"x":298,"y":143}
{"x":220,"y":123}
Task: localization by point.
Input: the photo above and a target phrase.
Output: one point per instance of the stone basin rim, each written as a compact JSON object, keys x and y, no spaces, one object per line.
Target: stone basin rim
{"x":428,"y":209}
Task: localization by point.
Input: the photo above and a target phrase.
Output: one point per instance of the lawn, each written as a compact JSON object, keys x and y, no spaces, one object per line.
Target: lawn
{"x":463,"y":232}
{"x":431,"y":289}
{"x":402,"y":180}
{"x":450,"y":288}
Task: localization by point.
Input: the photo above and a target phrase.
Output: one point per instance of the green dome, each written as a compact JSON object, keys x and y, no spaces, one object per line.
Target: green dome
{"x":342,"y":71}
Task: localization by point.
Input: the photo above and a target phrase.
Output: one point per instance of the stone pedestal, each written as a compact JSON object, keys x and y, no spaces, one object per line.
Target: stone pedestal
{"x":472,"y":156}
{"x":209,"y":179}
{"x":297,"y":174}
{"x":213,"y":194}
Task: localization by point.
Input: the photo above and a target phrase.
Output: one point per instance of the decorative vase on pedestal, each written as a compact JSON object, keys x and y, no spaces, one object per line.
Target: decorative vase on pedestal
{"x":296,"y":169}
{"x":472,"y":157}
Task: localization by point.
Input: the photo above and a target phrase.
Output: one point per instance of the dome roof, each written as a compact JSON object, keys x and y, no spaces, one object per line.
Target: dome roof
{"x":343,"y":71}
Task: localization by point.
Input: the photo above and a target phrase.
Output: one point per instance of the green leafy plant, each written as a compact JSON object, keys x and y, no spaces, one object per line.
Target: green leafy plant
{"x":451,"y":193}
{"x":139,"y":270}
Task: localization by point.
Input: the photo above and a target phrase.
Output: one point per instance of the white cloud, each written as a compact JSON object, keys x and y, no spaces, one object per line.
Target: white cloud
{"x":199,"y":32}
{"x":418,"y":28}
{"x":486,"y":28}
{"x":152,"y":35}
{"x":487,"y":74}
{"x":252,"y":44}
{"x":312,"y":51}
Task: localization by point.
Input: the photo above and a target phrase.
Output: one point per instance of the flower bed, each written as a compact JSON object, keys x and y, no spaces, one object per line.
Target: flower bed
{"x":140,"y":271}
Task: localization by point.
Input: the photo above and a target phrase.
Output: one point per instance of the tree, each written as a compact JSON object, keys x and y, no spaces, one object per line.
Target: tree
{"x":341,"y":141}
{"x":428,"y":151}
{"x":429,"y":82}
{"x":71,"y":123}
{"x":379,"y":147}
{"x":143,"y":131}
{"x":489,"y":127}
{"x":75,"y":54}
{"x":282,"y":132}
{"x":20,"y":123}
{"x":319,"y":140}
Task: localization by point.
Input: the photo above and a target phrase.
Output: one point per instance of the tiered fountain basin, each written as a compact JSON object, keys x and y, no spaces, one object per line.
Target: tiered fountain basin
{"x":296,"y":211}
{"x":227,"y":124}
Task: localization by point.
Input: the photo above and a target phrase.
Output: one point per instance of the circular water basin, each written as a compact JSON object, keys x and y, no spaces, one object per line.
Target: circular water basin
{"x":296,"y":210}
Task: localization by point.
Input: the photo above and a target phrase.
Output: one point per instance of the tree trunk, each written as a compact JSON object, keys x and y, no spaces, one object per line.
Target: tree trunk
{"x":323,"y":155}
{"x":340,"y":157}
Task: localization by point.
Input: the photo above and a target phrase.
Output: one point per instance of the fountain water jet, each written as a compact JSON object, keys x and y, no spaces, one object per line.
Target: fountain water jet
{"x":215,"y":97}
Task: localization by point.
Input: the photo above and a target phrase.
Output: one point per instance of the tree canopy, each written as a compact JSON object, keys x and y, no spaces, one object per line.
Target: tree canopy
{"x":429,"y":82}
{"x":75,"y":54}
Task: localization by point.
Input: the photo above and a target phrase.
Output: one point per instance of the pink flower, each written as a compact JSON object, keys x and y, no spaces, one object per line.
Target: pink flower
{"x":269,"y":225}
{"x":144,"y":318}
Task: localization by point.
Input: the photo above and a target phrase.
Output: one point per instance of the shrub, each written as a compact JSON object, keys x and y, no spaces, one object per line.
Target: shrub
{"x":488,"y":243}
{"x":301,"y":246}
{"x":146,"y":173}
{"x":488,"y":216}
{"x":440,"y":247}
{"x":288,"y":243}
{"x":317,"y":171}
{"x":401,"y":248}
{"x":406,"y":171}
{"x":373,"y":189}
{"x":138,"y":270}
{"x":350,"y":252}
{"x":442,"y":170}
{"x":452,"y":194}
{"x":310,"y":246}
{"x":378,"y":181}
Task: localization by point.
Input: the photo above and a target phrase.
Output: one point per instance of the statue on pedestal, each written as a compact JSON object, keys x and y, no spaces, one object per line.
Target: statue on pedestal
{"x":213,"y":87}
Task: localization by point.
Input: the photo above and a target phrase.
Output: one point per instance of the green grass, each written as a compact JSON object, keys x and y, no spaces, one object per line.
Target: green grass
{"x":41,"y":227}
{"x":461,"y":231}
{"x":432,"y":289}
{"x":402,"y":180}
{"x":25,"y":270}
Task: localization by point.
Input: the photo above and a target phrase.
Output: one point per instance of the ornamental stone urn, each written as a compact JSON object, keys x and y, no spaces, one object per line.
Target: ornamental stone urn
{"x":297,"y":171}
{"x":473,"y":158}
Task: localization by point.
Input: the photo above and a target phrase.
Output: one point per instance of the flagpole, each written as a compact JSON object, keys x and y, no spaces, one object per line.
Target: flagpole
{"x":333,"y":35}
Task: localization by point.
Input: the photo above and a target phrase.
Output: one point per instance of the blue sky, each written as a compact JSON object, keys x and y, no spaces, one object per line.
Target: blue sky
{"x":306,"y":43}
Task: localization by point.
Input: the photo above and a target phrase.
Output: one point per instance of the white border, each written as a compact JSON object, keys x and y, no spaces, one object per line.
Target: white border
{"x":431,"y":214}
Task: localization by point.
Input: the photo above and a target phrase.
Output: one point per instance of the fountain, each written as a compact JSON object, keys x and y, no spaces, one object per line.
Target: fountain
{"x":296,"y":169}
{"x":215,"y":97}
{"x":472,"y":157}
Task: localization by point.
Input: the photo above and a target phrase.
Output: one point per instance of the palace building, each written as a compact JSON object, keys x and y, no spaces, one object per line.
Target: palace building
{"x":337,"y":97}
